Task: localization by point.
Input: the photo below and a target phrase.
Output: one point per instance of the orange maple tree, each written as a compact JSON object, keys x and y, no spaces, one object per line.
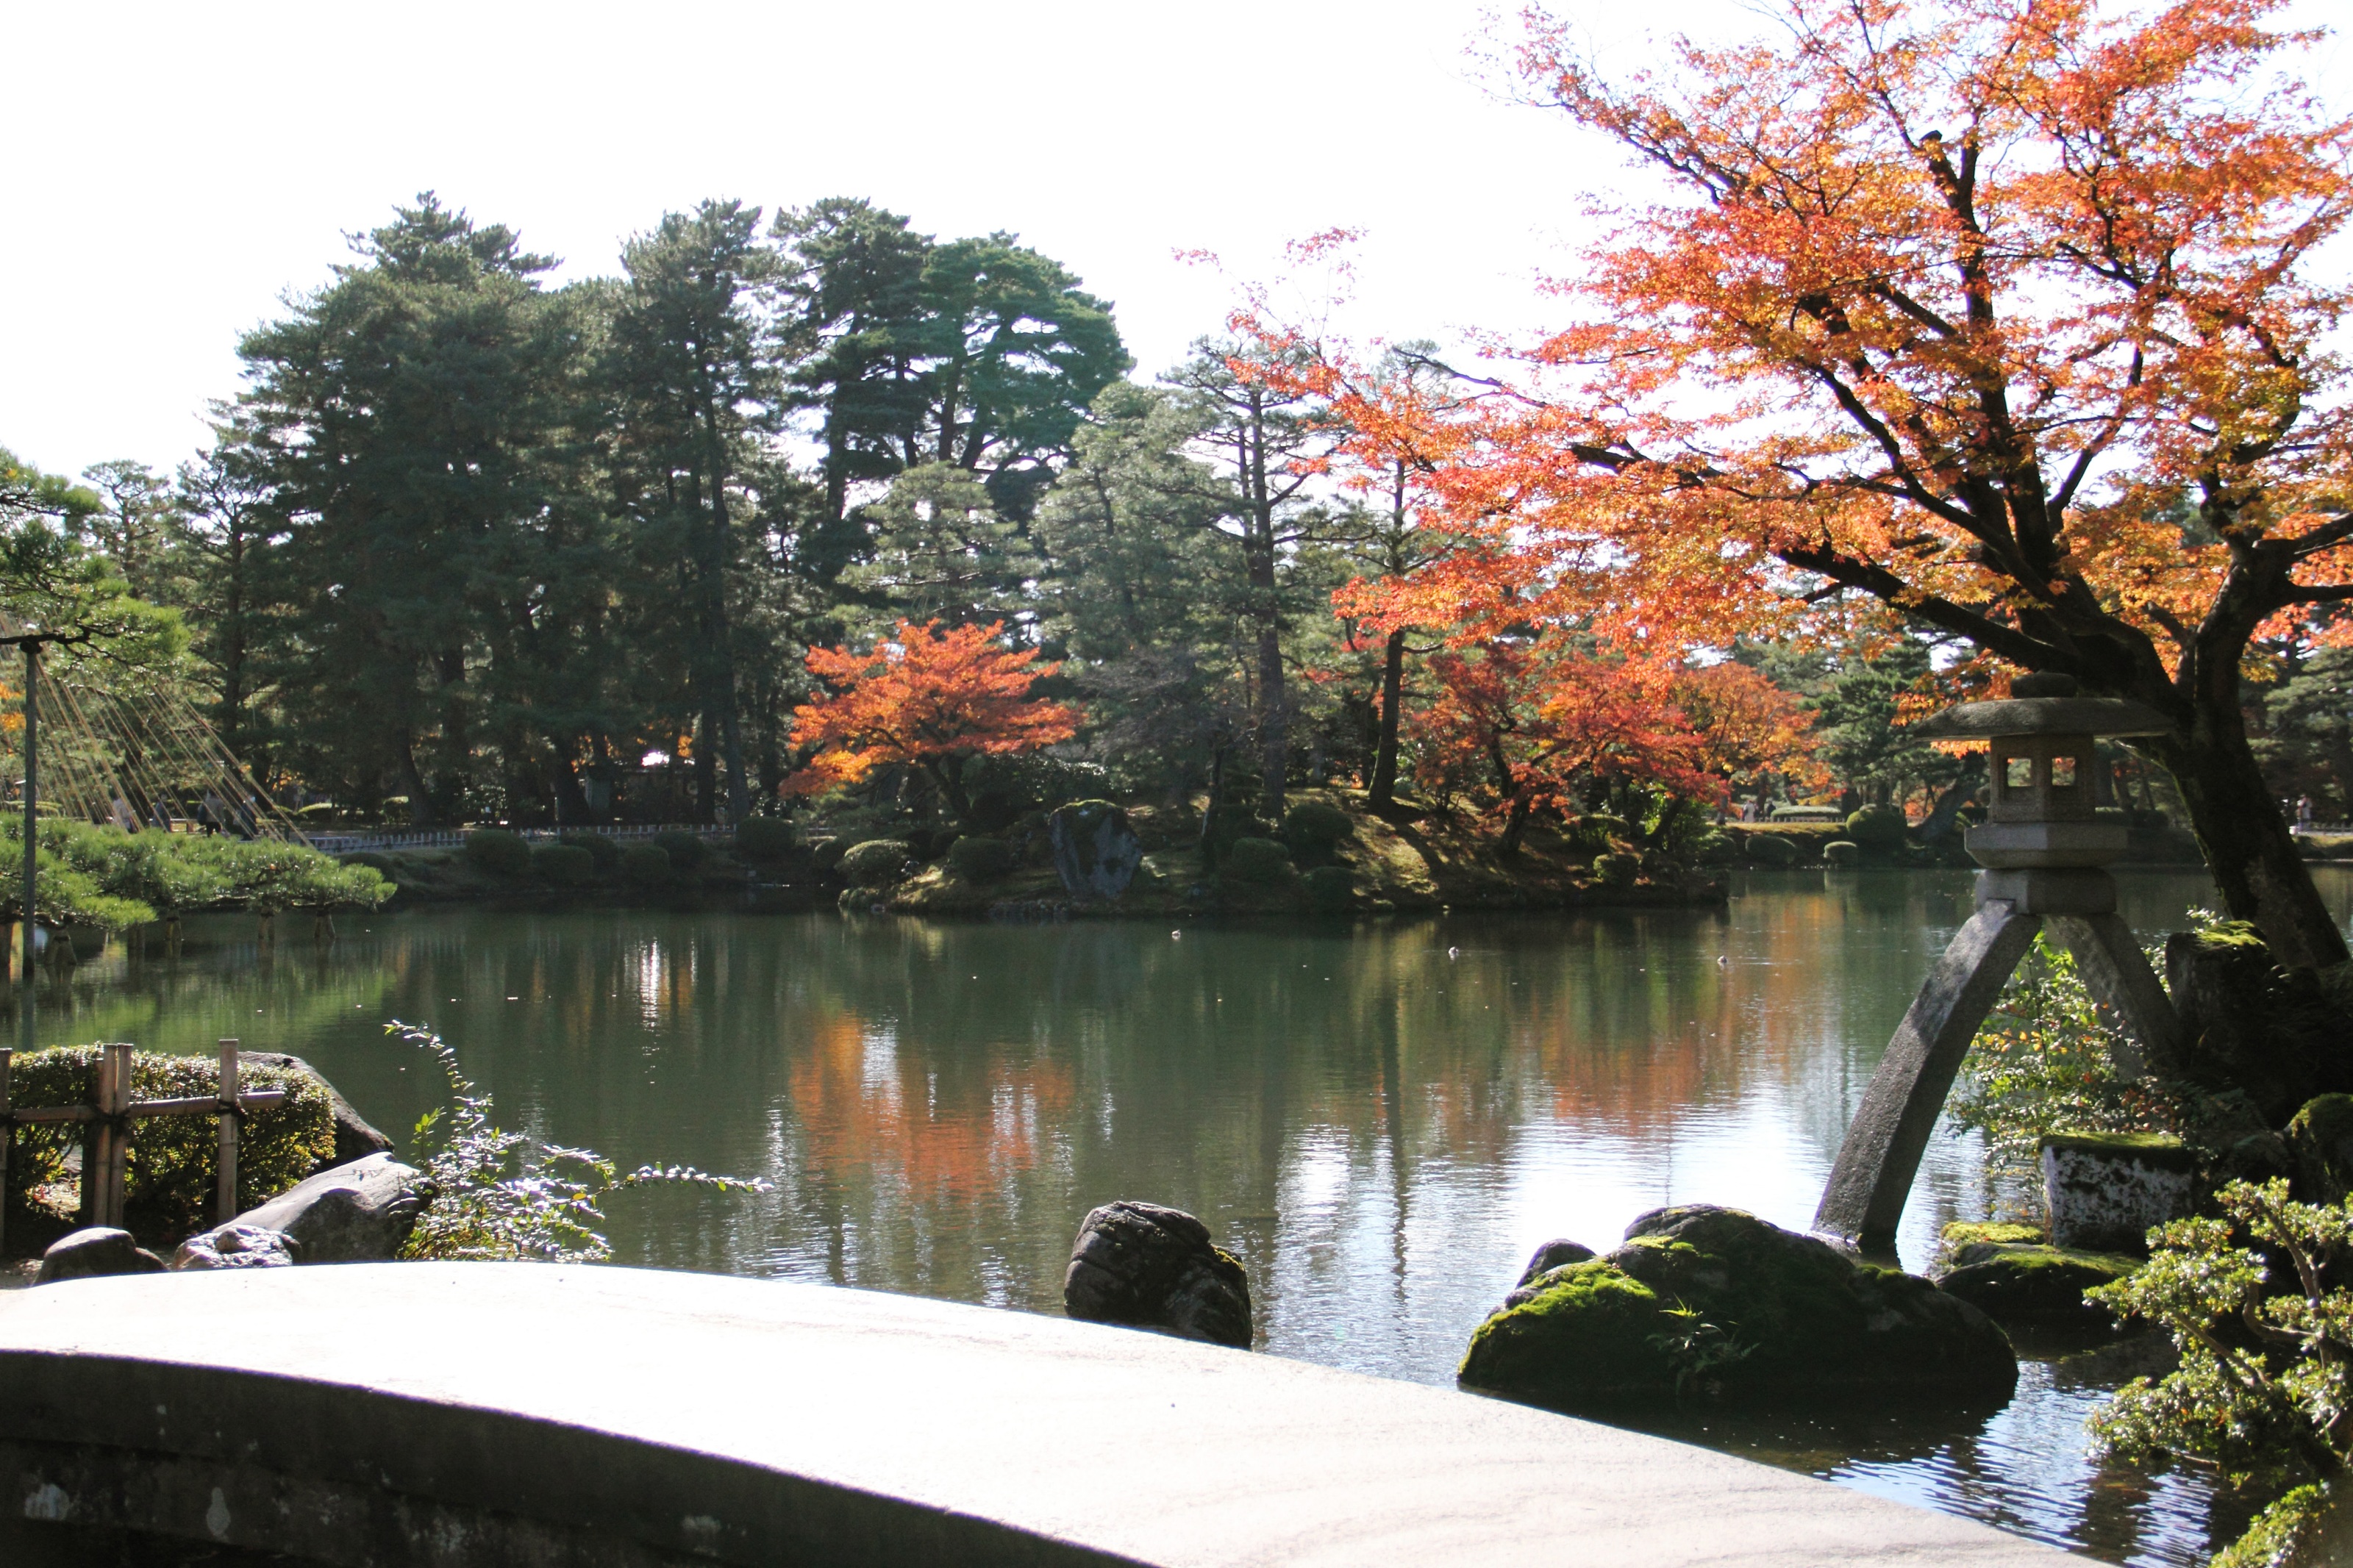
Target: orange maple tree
{"x":1531,"y":727}
{"x":928,"y":700}
{"x":2001,"y":316}
{"x":1751,"y":731}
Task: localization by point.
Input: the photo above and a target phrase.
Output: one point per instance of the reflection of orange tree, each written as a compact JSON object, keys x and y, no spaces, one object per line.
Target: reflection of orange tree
{"x":948,"y":1141}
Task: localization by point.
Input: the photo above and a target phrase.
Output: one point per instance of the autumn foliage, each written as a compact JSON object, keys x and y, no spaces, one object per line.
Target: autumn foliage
{"x":2001,"y":317}
{"x":1530,"y":728}
{"x":927,"y":700}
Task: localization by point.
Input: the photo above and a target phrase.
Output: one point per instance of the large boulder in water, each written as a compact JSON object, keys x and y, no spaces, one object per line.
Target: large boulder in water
{"x":1706,"y":1302}
{"x":1095,"y":851}
{"x":1153,"y":1267}
{"x":359,"y":1213}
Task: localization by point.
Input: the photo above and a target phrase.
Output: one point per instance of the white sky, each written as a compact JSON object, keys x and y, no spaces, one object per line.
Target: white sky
{"x":173,"y":170}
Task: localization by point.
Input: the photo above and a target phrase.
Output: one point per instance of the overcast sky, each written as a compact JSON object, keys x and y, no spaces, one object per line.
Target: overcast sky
{"x":173,"y":171}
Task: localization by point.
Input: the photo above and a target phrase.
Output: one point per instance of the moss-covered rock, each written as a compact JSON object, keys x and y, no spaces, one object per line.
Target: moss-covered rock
{"x":1707,"y":1303}
{"x":2320,"y":1142}
{"x":2032,"y":1282}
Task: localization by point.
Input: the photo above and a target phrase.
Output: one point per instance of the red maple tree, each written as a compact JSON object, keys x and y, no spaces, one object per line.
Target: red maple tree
{"x":928,"y":699}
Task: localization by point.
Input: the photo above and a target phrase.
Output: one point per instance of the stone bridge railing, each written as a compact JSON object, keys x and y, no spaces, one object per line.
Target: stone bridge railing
{"x":496,"y":1414}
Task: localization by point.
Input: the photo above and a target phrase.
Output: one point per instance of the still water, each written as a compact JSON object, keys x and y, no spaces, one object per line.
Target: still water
{"x":1381,"y":1120}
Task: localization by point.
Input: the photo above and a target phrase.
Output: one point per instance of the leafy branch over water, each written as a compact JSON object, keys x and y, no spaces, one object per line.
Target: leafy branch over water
{"x":508,"y":1196}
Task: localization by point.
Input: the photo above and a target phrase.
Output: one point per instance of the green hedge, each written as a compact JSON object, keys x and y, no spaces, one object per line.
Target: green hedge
{"x":1615,"y":870}
{"x":168,"y":1188}
{"x":1313,"y":831}
{"x":1876,"y":829}
{"x":875,"y":862}
{"x":498,"y":852}
{"x":978,"y":859}
{"x":565,"y":865}
{"x":686,"y":850}
{"x":647,"y":865}
{"x":1331,"y":888}
{"x":601,"y":850}
{"x":1259,"y":861}
{"x":766,"y":838}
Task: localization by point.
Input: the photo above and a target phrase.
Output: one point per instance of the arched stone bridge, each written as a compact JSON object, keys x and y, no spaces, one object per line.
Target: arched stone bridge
{"x":463,"y":1414}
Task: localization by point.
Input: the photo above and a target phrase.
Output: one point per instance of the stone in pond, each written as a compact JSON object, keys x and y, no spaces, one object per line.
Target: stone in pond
{"x":1704,"y":1302}
{"x":2031,"y":1282}
{"x":1152,"y":1267}
{"x":1095,"y":851}
{"x":236,"y":1245}
{"x":359,"y":1213}
{"x":97,"y":1250}
{"x":2106,"y":1190}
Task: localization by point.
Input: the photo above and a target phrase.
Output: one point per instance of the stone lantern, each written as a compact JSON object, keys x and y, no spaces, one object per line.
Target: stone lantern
{"x":2043,"y":845}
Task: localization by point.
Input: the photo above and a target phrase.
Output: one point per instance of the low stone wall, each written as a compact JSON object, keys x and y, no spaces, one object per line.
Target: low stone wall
{"x":492,"y":1413}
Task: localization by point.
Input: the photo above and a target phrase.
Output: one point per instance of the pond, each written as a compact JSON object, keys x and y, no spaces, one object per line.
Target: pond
{"x":1381,"y":1120}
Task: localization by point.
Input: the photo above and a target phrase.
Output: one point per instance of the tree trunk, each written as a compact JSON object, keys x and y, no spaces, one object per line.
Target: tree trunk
{"x":1273,"y":722}
{"x":1382,"y":795}
{"x":2249,"y":849}
{"x":412,"y":779}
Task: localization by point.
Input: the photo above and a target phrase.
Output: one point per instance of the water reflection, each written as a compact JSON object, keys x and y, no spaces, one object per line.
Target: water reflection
{"x":1381,"y":1120}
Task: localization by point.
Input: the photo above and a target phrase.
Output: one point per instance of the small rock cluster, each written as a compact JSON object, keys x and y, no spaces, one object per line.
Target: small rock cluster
{"x":360,"y":1212}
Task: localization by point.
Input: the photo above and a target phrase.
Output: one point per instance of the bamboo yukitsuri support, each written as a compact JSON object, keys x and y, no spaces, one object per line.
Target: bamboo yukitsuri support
{"x":106,"y":1146}
{"x":2043,"y":845}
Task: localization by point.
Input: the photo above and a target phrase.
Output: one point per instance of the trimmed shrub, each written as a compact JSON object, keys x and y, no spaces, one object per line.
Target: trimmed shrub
{"x":1713,"y":848}
{"x":1771,"y":850}
{"x":875,"y":862}
{"x":765,"y":838}
{"x":498,"y":852}
{"x":1839,"y":855}
{"x":1313,"y":831}
{"x":1878,"y":829}
{"x":647,"y":865}
{"x":378,"y":863}
{"x":565,"y":865}
{"x":1260,"y":861}
{"x":1229,"y":825}
{"x":601,"y":850}
{"x":1331,"y":886}
{"x":169,"y":1187}
{"x":1617,"y":870}
{"x":686,"y":850}
{"x":980,"y":859}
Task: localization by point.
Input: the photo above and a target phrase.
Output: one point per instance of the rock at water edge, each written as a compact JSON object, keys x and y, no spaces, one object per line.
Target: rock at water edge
{"x":1152,"y":1267}
{"x":2320,"y":1146}
{"x":355,"y":1139}
{"x":2031,"y":1282}
{"x":359,"y":1213}
{"x":2106,"y":1190}
{"x":1096,"y":853}
{"x":237,"y":1246}
{"x":1712,"y":1303}
{"x":87,"y":1254}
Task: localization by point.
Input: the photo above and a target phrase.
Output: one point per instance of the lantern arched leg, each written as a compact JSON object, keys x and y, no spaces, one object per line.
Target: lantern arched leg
{"x":2117,"y":973}
{"x":1883,"y":1145}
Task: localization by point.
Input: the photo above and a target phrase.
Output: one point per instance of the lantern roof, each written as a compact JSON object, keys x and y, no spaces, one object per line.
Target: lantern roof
{"x":2042,"y":705}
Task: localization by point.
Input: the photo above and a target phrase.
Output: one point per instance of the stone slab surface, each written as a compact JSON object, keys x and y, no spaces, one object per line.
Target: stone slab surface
{"x":747,"y":1421}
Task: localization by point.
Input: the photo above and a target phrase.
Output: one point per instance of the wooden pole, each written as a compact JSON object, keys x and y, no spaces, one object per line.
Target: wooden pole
{"x":225,"y":1205}
{"x":25,"y":1002}
{"x":114,"y":1132}
{"x":8,"y":1138}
